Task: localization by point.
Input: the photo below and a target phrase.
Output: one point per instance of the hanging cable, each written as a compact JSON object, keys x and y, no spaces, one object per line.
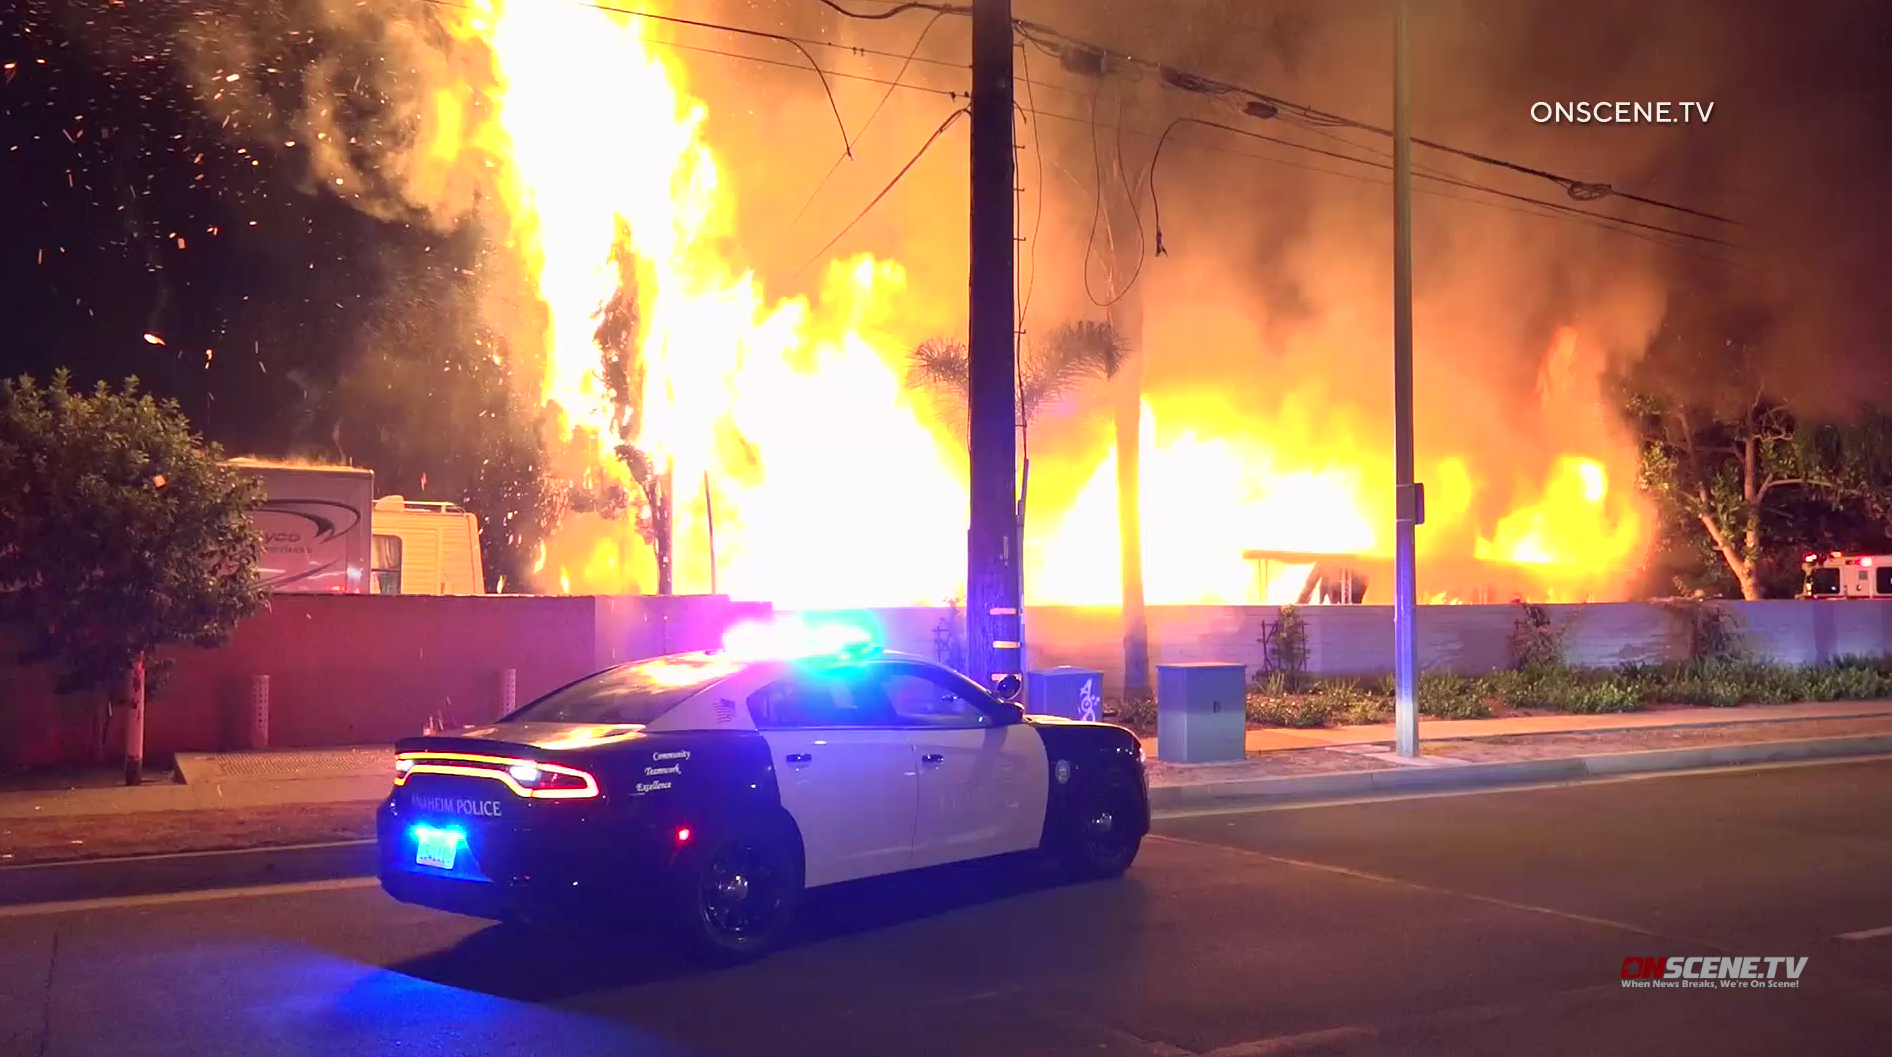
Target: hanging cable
{"x":884,"y":191}
{"x":878,"y":107}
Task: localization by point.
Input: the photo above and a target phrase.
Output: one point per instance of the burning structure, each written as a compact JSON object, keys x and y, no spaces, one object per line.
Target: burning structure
{"x":656,"y":207}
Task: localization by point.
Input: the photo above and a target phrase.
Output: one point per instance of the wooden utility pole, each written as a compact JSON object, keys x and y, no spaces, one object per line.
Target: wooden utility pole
{"x":992,"y":544}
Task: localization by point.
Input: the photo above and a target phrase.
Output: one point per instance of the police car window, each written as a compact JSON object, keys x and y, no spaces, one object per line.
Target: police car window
{"x":919,"y":698}
{"x":629,"y":694}
{"x":824,"y":699}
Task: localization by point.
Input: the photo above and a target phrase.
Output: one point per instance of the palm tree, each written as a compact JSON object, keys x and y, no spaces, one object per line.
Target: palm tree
{"x":1077,"y":352}
{"x":1048,"y":371}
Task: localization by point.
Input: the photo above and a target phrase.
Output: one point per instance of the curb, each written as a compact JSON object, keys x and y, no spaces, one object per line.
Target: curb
{"x":1634,"y":728}
{"x":140,"y":875}
{"x":1519,"y":772}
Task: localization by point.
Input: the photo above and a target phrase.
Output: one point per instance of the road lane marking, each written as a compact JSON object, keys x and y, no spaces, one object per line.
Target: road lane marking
{"x":1509,"y":904}
{"x":1290,"y":804}
{"x":28,"y":910}
{"x":1867,"y":934}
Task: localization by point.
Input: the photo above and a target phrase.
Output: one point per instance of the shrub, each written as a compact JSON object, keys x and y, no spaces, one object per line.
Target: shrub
{"x":1283,"y":650}
{"x":1300,"y":711}
{"x":1446,"y":695}
{"x":1630,"y":688}
{"x":1714,"y":631}
{"x":1536,"y":639}
{"x":1138,"y":712}
{"x":1591,"y":697}
{"x":1327,"y":704}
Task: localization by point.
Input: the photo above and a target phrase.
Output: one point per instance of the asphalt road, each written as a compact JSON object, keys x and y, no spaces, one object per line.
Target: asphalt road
{"x":1489,"y":923}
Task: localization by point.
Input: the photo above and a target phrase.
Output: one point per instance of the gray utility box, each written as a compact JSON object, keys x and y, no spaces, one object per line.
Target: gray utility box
{"x":1201,"y":712}
{"x":1074,"y":693}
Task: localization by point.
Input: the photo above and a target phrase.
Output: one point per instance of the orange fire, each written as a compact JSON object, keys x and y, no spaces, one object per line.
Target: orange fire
{"x":830,"y":483}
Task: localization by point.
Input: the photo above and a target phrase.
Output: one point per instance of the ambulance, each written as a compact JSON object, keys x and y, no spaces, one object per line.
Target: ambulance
{"x":1839,"y":576}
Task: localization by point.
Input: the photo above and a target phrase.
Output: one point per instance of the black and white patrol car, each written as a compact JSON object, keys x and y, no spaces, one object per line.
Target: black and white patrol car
{"x":717,"y":787}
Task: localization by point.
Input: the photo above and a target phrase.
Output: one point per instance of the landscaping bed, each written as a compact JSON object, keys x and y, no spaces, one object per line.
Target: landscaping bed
{"x":1315,"y":702}
{"x":66,"y":838}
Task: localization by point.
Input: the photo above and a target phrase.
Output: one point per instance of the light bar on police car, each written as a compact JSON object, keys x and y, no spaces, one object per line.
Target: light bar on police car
{"x":783,"y":639}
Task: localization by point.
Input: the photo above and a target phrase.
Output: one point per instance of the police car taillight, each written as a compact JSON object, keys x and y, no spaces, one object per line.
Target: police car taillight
{"x":532,"y":779}
{"x":543,"y":779}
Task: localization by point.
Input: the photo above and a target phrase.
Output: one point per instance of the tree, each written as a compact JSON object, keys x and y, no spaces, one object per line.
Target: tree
{"x":1865,"y":470}
{"x":1731,"y":473}
{"x":121,"y":533}
{"x":1048,"y":371}
{"x":617,"y":336}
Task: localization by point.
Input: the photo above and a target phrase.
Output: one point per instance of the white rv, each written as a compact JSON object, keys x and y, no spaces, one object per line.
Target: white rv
{"x":323,"y":531}
{"x":316,"y":527}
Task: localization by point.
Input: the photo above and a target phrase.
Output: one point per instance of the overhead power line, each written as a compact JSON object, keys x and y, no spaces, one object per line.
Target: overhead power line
{"x":1538,"y":206}
{"x":1557,"y":210}
{"x":898,"y":9}
{"x":878,"y":107}
{"x":1095,"y":60}
{"x":1377,"y":164}
{"x":884,"y":191}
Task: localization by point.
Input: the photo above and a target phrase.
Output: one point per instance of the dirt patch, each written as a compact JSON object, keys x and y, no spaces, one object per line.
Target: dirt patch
{"x":69,"y":838}
{"x":1576,"y":743}
{"x":1278,"y":763}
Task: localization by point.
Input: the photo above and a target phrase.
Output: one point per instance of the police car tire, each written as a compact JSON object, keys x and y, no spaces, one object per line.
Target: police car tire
{"x":1086,"y":851}
{"x":702,"y":903}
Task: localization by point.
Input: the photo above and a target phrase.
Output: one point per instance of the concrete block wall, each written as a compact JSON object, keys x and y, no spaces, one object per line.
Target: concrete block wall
{"x":360,"y":669}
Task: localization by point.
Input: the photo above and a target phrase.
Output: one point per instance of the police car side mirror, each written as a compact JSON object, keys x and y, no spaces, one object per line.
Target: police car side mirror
{"x":1008,"y":688}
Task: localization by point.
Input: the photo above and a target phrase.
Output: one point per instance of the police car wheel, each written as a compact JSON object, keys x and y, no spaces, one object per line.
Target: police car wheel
{"x":737,"y":894}
{"x":1101,"y":837}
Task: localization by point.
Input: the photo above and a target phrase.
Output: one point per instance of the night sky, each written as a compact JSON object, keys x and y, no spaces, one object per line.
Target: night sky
{"x":290,"y":320}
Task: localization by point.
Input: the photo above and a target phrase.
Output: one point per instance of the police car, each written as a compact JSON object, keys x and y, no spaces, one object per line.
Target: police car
{"x":717,"y":787}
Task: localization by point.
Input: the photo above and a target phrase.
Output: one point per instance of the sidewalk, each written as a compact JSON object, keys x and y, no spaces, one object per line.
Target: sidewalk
{"x":226,"y":781}
{"x":257,"y":800}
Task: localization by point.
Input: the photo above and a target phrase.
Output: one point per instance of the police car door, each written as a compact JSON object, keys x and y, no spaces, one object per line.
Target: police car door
{"x":982,"y":783}
{"x":846,"y":776}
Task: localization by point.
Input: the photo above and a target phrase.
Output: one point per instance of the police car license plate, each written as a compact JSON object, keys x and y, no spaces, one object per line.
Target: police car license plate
{"x":436,"y":848}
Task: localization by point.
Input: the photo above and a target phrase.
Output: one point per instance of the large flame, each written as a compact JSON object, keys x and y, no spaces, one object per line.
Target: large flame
{"x":785,"y":421}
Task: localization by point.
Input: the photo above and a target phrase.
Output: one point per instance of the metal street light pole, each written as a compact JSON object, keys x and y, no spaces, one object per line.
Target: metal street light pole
{"x":1409,"y":501}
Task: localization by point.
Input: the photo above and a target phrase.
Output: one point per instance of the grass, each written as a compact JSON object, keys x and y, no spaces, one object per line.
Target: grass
{"x":1630,"y":688}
